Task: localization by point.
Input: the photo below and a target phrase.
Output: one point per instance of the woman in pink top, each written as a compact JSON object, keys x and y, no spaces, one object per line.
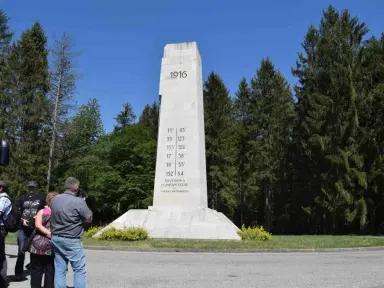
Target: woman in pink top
{"x":41,"y":248}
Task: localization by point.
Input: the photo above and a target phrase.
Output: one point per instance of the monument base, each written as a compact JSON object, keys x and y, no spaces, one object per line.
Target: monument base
{"x":205,"y":224}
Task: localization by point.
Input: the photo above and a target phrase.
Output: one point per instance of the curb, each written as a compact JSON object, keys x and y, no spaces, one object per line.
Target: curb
{"x":191,"y":250}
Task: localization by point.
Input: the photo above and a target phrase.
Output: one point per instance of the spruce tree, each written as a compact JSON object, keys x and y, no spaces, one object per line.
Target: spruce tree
{"x":5,"y":35}
{"x":328,"y":121}
{"x":220,"y":146}
{"x":150,"y":118}
{"x":247,"y":188}
{"x":29,"y":109}
{"x":125,"y":118}
{"x":371,"y":132}
{"x":5,"y":75}
{"x":273,"y":114}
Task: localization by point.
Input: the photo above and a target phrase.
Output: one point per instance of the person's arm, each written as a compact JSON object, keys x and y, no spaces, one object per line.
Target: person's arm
{"x":24,"y":222}
{"x":39,"y":224}
{"x":85,"y":212}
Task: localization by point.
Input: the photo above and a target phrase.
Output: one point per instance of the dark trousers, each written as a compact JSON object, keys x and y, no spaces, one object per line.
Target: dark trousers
{"x":3,"y":260}
{"x":42,"y":265}
{"x":22,"y":236}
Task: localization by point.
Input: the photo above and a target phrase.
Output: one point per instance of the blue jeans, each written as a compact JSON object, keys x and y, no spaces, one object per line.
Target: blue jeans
{"x":68,"y":250}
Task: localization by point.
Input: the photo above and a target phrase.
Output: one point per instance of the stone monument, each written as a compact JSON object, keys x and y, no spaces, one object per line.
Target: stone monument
{"x":180,"y":207}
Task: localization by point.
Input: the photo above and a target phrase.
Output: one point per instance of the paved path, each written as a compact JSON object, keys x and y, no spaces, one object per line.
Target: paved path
{"x":266,"y":270}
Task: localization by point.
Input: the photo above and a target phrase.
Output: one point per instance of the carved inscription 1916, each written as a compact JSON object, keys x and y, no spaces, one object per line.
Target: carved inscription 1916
{"x":179,"y":74}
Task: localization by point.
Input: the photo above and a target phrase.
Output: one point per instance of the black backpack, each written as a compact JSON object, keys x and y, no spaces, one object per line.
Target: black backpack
{"x":12,"y":224}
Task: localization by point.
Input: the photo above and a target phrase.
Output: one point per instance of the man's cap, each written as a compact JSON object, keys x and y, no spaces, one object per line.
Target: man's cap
{"x":32,"y":184}
{"x":3,"y":184}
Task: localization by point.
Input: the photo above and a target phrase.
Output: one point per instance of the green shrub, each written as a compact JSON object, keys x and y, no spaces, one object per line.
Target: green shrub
{"x":93,"y":230}
{"x":128,"y":234}
{"x":254,"y":233}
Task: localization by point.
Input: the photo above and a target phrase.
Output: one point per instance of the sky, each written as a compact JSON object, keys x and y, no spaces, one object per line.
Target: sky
{"x":121,"y":41}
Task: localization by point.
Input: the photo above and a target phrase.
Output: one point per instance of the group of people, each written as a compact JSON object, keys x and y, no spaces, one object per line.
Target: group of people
{"x":50,"y":230}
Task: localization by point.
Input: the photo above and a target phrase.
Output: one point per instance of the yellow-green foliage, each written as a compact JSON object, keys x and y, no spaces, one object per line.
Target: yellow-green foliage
{"x":254,"y":233}
{"x":93,"y":230}
{"x":128,"y":234}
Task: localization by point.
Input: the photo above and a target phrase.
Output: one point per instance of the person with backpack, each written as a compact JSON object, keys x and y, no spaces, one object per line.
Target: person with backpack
{"x":5,"y":209}
{"x":29,"y":204}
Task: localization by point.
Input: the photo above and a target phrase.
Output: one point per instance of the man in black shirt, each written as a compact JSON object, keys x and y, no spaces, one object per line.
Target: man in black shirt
{"x":29,"y":204}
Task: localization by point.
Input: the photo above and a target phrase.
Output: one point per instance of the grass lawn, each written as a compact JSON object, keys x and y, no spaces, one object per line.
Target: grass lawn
{"x":282,"y":242}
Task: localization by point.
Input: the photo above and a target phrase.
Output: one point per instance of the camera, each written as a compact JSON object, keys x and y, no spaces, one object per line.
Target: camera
{"x":81,"y":193}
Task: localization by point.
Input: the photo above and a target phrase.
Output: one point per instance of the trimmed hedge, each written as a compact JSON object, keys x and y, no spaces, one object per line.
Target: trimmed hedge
{"x":128,"y":234}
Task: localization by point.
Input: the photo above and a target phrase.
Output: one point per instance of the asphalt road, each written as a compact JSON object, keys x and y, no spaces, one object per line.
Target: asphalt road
{"x":266,"y":270}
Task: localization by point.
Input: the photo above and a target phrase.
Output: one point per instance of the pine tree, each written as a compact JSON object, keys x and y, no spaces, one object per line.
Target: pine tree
{"x":220,"y":146}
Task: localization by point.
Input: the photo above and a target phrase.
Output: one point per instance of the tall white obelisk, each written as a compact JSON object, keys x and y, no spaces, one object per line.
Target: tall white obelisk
{"x":180,"y":192}
{"x":180,"y":181}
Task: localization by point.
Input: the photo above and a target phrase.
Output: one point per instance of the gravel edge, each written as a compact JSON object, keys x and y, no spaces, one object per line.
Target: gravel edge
{"x":191,"y":250}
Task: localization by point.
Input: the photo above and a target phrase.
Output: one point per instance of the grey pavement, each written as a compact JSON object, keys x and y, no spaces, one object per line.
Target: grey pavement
{"x":186,"y":270}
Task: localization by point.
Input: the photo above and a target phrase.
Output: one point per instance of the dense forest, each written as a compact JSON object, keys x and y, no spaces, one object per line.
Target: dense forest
{"x":303,"y":159}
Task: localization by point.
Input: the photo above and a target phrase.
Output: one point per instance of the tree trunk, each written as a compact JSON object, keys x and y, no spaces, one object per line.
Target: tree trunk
{"x":53,"y":140}
{"x":268,"y":207}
